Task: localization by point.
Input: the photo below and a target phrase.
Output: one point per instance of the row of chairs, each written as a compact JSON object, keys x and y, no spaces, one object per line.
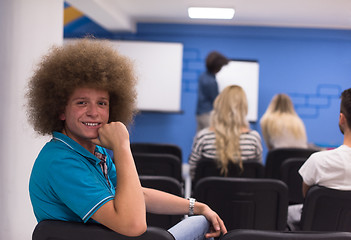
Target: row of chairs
{"x":248,"y":234}
{"x":282,"y":164}
{"x":288,"y":173}
{"x":261,"y":204}
{"x":60,"y":230}
{"x":274,"y":159}
{"x":168,"y":160}
{"x":168,"y":165}
{"x":257,"y":205}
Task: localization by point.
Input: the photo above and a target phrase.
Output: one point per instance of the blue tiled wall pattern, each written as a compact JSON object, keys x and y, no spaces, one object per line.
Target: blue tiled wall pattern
{"x":193,"y":66}
{"x":309,"y":105}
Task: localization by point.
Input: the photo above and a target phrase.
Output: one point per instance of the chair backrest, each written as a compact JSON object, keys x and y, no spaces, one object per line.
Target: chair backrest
{"x":166,"y":184}
{"x":276,"y":157}
{"x":62,"y":230}
{"x":207,"y":167}
{"x":326,"y":209}
{"x":158,"y":164}
{"x":172,"y":149}
{"x":246,"y":203}
{"x":289,"y":171}
{"x":248,"y":234}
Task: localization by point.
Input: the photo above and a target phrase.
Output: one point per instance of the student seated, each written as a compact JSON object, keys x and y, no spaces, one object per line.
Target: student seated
{"x":332,"y":168}
{"x":229,"y":138}
{"x":83,"y":94}
{"x":281,"y":126}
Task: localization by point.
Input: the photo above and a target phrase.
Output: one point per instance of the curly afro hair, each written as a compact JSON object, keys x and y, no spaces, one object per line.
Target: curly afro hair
{"x":83,"y":63}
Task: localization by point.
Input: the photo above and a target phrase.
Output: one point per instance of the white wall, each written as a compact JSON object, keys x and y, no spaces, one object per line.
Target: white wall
{"x":28,"y":28}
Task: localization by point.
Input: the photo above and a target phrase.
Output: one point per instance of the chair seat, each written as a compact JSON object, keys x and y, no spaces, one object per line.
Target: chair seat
{"x":276,"y":157}
{"x":249,"y":203}
{"x":248,"y":234}
{"x":207,"y":167}
{"x":163,"y":148}
{"x":158,"y":164}
{"x":165,"y":184}
{"x":326,"y":209}
{"x":290,"y":175}
{"x":62,"y":230}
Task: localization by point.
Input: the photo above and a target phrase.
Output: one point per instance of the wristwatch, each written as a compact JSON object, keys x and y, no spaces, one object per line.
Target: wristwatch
{"x":191,"y":206}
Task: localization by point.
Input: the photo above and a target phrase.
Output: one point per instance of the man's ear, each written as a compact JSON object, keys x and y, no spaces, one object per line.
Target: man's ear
{"x":342,"y":118}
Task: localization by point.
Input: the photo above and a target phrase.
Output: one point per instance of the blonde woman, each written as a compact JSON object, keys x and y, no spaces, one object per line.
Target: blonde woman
{"x":281,"y":126}
{"x":229,"y":138}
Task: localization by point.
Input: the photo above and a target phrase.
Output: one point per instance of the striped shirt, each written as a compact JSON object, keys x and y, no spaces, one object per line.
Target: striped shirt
{"x":205,"y":146}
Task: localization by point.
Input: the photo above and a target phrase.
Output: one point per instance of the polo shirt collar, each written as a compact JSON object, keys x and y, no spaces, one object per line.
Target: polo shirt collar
{"x":69,"y":142}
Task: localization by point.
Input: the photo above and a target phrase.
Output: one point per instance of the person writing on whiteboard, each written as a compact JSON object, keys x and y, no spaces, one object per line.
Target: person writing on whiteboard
{"x":229,"y":138}
{"x":208,"y":88}
{"x":83,"y":94}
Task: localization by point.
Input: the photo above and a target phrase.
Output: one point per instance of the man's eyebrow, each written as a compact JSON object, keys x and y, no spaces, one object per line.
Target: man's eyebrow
{"x":105,"y":98}
{"x":84,"y":98}
{"x":80,"y":98}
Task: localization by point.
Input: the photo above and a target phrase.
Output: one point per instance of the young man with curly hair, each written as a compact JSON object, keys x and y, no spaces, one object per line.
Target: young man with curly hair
{"x":83,"y":94}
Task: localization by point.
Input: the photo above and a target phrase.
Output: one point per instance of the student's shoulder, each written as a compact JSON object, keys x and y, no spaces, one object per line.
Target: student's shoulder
{"x":205,"y":133}
{"x":57,"y":152}
{"x":254,"y":133}
{"x":320,"y":157}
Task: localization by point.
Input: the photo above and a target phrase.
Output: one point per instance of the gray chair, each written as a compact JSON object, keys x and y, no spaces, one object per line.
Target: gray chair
{"x":326,"y":209}
{"x":289,"y":173}
{"x":276,"y":157}
{"x":158,"y":164}
{"x":247,"y":234}
{"x":169,"y":185}
{"x":62,"y":230}
{"x":246,"y":203}
{"x":173,"y":149}
{"x":208,"y":167}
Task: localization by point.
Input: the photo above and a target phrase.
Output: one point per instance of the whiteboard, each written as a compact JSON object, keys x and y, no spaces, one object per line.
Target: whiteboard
{"x":158,"y":66}
{"x":246,"y":75}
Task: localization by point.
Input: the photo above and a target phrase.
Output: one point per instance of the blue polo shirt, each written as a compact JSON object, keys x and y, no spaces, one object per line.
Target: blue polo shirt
{"x":67,"y":182}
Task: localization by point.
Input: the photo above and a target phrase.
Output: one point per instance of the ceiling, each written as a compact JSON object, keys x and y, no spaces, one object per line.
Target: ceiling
{"x":123,"y":15}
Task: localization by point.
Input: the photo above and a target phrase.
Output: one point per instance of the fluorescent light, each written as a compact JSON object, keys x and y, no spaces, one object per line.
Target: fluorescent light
{"x":211,"y":13}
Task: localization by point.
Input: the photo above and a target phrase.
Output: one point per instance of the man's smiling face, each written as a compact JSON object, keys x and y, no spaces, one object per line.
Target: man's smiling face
{"x":86,"y":111}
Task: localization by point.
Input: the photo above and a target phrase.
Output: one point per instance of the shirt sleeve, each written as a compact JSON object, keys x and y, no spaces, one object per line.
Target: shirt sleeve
{"x":258,"y":146}
{"x":314,"y":170}
{"x":79,"y":186}
{"x":210,"y":88}
{"x":195,"y":155}
{"x":307,"y":171}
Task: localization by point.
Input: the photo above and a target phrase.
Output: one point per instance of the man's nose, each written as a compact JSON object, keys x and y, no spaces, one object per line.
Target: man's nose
{"x":92,"y":110}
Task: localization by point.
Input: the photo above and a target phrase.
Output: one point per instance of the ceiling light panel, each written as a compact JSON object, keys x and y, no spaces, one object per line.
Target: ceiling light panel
{"x":211,"y":13}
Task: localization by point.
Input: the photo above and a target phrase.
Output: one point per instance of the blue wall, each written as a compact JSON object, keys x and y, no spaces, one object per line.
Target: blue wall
{"x":313,"y":66}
